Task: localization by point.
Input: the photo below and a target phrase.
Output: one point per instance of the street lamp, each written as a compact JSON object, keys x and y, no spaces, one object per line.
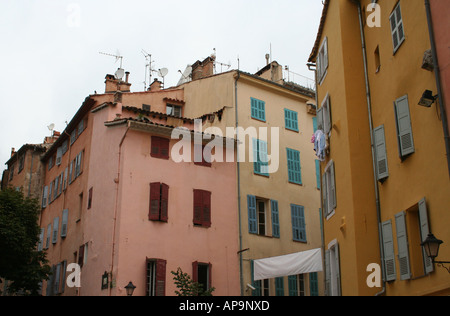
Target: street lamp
{"x":427,"y":99}
{"x":431,"y":246}
{"x":130,"y":289}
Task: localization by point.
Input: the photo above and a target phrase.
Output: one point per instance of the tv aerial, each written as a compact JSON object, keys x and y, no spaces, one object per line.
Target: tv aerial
{"x":120,"y":73}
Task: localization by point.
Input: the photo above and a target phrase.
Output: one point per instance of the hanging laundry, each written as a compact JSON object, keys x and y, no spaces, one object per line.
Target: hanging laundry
{"x":320,"y":144}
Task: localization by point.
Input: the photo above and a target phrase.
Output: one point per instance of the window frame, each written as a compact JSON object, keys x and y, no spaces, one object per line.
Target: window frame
{"x":395,"y":29}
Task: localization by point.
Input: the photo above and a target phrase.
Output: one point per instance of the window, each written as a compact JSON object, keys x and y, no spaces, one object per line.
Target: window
{"x":412,"y":229}
{"x":388,"y":248}
{"x":298,"y":223}
{"x":202,"y":274}
{"x":50,"y":163}
{"x":80,"y":206}
{"x":259,"y":221}
{"x":174,"y":110}
{"x":381,"y":156}
{"x":260,"y":158}
{"x":404,"y":128}
{"x":65,"y":146}
{"x":83,"y":254}
{"x":78,"y":164}
{"x":156,"y":277}
{"x":329,"y":189}
{"x":294,"y":167}
{"x":291,"y":120}
{"x":296,"y":285}
{"x":397,"y":31}
{"x":59,"y":153}
{"x":377,"y":60}
{"x":332,"y":270}
{"x":159,"y":202}
{"x":258,"y":109}
{"x":160,"y":147}
{"x":11,"y":173}
{"x":21,"y":162}
{"x":146,"y":107}
{"x":322,"y":61}
{"x":313,"y":284}
{"x":73,"y":136}
{"x":64,"y":223}
{"x":202,"y":208}
{"x":81,"y":127}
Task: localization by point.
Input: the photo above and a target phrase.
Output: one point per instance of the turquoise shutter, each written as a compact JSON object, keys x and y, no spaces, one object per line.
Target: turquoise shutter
{"x":381,"y":156}
{"x":315,"y":124}
{"x":252,"y":217}
{"x":255,"y":284}
{"x":64,"y":223}
{"x":424,"y":231}
{"x":262,"y":110}
{"x":402,"y":242}
{"x":256,"y":161}
{"x":279,"y":286}
{"x":313,"y":284}
{"x":298,"y":223}
{"x":55,"y":230}
{"x":275,"y":219}
{"x":264,"y":157}
{"x":404,"y":129}
{"x":291,"y":119}
{"x":318,"y":174}
{"x":293,"y":288}
{"x":388,"y":248}
{"x":294,"y":166}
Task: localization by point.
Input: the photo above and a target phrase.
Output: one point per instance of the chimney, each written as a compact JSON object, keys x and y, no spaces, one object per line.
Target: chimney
{"x":155,"y":86}
{"x":267,"y":59}
{"x":202,"y":69}
{"x":13,"y":151}
{"x":113,"y":85}
{"x":127,"y":75}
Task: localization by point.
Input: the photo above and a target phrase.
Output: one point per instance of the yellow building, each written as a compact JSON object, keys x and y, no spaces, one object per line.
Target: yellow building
{"x":385,"y":177}
{"x":279,"y":207}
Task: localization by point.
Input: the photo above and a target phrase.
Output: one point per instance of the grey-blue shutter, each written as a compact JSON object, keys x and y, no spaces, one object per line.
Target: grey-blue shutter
{"x":327,"y":273}
{"x":319,"y":116}
{"x":64,"y":222}
{"x":405,"y":136}
{"x":57,"y":277}
{"x":337,"y":270}
{"x":275,"y":219}
{"x":252,"y":216}
{"x":44,"y":197}
{"x":402,"y":242}
{"x":326,"y":210}
{"x":388,"y":247}
{"x":41,"y":239}
{"x":49,"y":233}
{"x":332,"y":184}
{"x":381,"y":156}
{"x":424,"y":231}
{"x":55,"y":230}
{"x":63,"y":280}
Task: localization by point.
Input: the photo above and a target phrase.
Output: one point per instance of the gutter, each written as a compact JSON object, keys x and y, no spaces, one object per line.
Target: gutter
{"x":437,"y":74}
{"x":369,"y":108}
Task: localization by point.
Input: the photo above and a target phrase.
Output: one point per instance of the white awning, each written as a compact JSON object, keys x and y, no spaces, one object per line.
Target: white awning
{"x":297,"y":263}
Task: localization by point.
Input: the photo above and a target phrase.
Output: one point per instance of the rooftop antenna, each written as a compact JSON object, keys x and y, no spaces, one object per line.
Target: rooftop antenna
{"x":148,"y":67}
{"x":214,"y":56}
{"x":120,"y":72}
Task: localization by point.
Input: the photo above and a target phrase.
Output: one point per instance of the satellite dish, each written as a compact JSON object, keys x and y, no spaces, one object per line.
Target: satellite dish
{"x":185,"y":76}
{"x":51,"y":127}
{"x":119,"y":73}
{"x":163,"y":72}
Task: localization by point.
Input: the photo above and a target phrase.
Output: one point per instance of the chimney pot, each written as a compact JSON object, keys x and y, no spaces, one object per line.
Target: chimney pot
{"x":127,"y":75}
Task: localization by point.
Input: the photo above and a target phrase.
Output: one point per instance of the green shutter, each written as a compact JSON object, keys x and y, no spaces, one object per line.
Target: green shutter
{"x":255,"y":284}
{"x":279,"y":286}
{"x":275,"y":219}
{"x":294,"y":166}
{"x":293,"y":287}
{"x":318,"y":174}
{"x":313,"y":284}
{"x":298,"y":223}
{"x":402,"y":242}
{"x":258,"y":109}
{"x":404,"y":128}
{"x":424,"y":231}
{"x":388,"y":248}
{"x":252,"y":216}
{"x":291,"y":120}
{"x":260,"y":157}
{"x":381,"y":156}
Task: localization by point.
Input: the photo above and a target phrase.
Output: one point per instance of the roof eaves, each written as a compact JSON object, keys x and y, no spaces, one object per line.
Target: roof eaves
{"x":315,"y":49}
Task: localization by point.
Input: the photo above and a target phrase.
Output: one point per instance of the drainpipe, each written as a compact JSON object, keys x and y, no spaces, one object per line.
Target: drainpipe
{"x":437,"y":74}
{"x":241,"y":276}
{"x":369,"y":108}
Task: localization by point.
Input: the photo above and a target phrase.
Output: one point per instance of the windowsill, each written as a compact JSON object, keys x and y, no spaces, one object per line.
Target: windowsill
{"x":261,"y":175}
{"x":292,"y":130}
{"x":259,"y":120}
{"x":159,"y":157}
{"x":299,"y":184}
{"x":300,"y":241}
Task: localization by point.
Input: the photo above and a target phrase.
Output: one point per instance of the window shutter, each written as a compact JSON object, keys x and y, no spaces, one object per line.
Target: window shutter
{"x":326,"y":210}
{"x":164,"y":148}
{"x":381,"y":156}
{"x":64,"y":268}
{"x":325,"y":54}
{"x":206,"y":218}
{"x":195,"y":271}
{"x":254,"y":108}
{"x":164,"y":202}
{"x":160,"y":286}
{"x":198,"y":207}
{"x":155,"y":147}
{"x":81,"y":256}
{"x":44,"y":197}
{"x":313,"y":284}
{"x":424,"y":231}
{"x":337,"y":270}
{"x":61,"y":182}
{"x":49,"y":232}
{"x":279,"y":286}
{"x":275,"y":219}
{"x":57,"y":277}
{"x":388,"y":247}
{"x":55,"y":230}
{"x":298,"y":223}
{"x":326,"y":105}
{"x":318,"y":174}
{"x":252,"y":216}
{"x":41,"y":239}
{"x":71,"y":172}
{"x":402,"y":242}
{"x":332,"y":193}
{"x":65,"y":178}
{"x":209,"y":275}
{"x":294,"y":166}
{"x":263,"y":157}
{"x":58,"y":156}
{"x":255,"y":284}
{"x":292,"y":283}
{"x":256,"y":161}
{"x":64,"y":223}
{"x":319,"y":116}
{"x":404,"y":128}
{"x":155,"y":201}
{"x":91,"y":192}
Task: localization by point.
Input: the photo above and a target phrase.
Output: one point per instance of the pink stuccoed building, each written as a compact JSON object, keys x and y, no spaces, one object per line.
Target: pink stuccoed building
{"x":117,"y":204}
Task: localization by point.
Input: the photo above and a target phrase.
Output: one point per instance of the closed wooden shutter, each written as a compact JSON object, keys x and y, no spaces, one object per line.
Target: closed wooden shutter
{"x":275,"y":219}
{"x":404,"y":128}
{"x":198,"y":207}
{"x":206,"y":220}
{"x":160,"y":286}
{"x":293,"y":285}
{"x":402,"y":242}
{"x":252,"y":215}
{"x":381,"y":156}
{"x":155,"y":152}
{"x":44,"y":197}
{"x":64,"y":222}
{"x":155,"y":201}
{"x":164,"y":202}
{"x":55,"y":230}
{"x":195,"y":271}
{"x":424,"y":231}
{"x":388,"y":248}
{"x":319,"y":116}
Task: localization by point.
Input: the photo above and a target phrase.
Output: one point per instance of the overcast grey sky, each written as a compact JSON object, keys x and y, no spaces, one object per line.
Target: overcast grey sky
{"x":50,"y":57}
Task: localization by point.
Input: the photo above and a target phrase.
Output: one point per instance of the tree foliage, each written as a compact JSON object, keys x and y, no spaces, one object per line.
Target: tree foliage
{"x":20,"y":263}
{"x":187,"y":287}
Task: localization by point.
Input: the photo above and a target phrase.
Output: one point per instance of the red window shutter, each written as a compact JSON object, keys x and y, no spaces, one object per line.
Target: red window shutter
{"x":155,"y":201}
{"x":198,"y":207}
{"x":195,"y":271}
{"x":206,"y":209}
{"x":164,"y":202}
{"x":155,"y":152}
{"x":201,"y":160}
{"x":81,"y":256}
{"x":164,"y":148}
{"x":160,"y":287}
